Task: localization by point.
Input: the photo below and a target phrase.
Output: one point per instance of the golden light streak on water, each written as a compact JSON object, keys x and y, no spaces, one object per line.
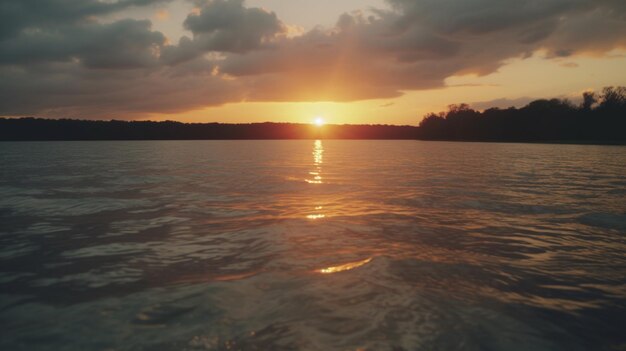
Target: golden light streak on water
{"x":316,"y":216}
{"x":318,"y":159}
{"x":318,"y":153}
{"x":344,"y":267}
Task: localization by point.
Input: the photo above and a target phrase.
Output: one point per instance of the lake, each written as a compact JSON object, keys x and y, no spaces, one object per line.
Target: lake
{"x":312,"y":245}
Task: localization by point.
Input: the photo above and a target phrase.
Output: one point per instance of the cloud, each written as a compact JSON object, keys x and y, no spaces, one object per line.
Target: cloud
{"x":419,"y":43}
{"x":225,"y":26}
{"x":123,"y":44}
{"x":228,"y":26}
{"x":59,"y":56}
{"x":69,"y":89}
{"x":16,"y":16}
{"x":502,"y":103}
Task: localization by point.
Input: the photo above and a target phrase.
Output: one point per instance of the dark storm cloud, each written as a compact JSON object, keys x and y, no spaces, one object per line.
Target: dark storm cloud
{"x":40,"y":31}
{"x":17,"y":15}
{"x":69,"y":89}
{"x":56,"y":56}
{"x":225,"y":26}
{"x":56,"y":59}
{"x":122,"y":44}
{"x":556,"y":25}
{"x":228,"y":26}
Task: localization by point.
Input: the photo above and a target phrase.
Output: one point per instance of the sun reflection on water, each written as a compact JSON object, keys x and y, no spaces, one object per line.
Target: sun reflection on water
{"x":318,"y":154}
{"x":344,"y":267}
{"x":316,"y":216}
{"x":318,"y":159}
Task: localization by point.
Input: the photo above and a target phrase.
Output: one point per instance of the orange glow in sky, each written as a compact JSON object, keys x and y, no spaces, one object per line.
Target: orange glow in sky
{"x":299,"y":60}
{"x":518,"y":79}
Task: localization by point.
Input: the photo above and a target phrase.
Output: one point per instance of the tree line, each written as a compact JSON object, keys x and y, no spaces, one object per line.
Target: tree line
{"x":600,"y":118}
{"x":29,"y":128}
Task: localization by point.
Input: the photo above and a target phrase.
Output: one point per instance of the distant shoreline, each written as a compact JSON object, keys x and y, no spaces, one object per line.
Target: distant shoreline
{"x":41,"y":129}
{"x":580,"y":143}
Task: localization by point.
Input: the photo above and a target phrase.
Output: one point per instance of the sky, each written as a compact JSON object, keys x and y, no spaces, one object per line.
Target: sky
{"x":346,"y":61}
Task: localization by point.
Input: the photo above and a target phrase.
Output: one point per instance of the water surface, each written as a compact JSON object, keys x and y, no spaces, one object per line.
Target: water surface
{"x":312,"y":245}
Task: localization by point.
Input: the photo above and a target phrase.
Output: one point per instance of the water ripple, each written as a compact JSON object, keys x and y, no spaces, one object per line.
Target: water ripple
{"x":312,"y":245}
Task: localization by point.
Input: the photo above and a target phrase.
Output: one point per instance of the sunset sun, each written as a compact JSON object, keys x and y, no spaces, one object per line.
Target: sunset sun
{"x":319,"y":121}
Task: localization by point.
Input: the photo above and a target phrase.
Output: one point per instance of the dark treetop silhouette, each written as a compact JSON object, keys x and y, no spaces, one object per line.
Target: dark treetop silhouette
{"x":601,"y":118}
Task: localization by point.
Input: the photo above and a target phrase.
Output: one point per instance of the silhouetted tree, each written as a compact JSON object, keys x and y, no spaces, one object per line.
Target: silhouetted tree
{"x":589,"y":99}
{"x":597,"y":119}
{"x":433,"y":125}
{"x":613,"y":97}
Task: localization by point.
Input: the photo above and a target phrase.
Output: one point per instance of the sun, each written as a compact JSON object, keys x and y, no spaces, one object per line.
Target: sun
{"x":319,"y":121}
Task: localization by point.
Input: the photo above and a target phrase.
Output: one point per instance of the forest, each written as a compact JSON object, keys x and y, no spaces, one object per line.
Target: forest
{"x":599,"y":118}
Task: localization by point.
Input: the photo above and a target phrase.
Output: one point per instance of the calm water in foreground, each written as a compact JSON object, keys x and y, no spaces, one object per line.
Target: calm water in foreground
{"x":309,"y":245}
